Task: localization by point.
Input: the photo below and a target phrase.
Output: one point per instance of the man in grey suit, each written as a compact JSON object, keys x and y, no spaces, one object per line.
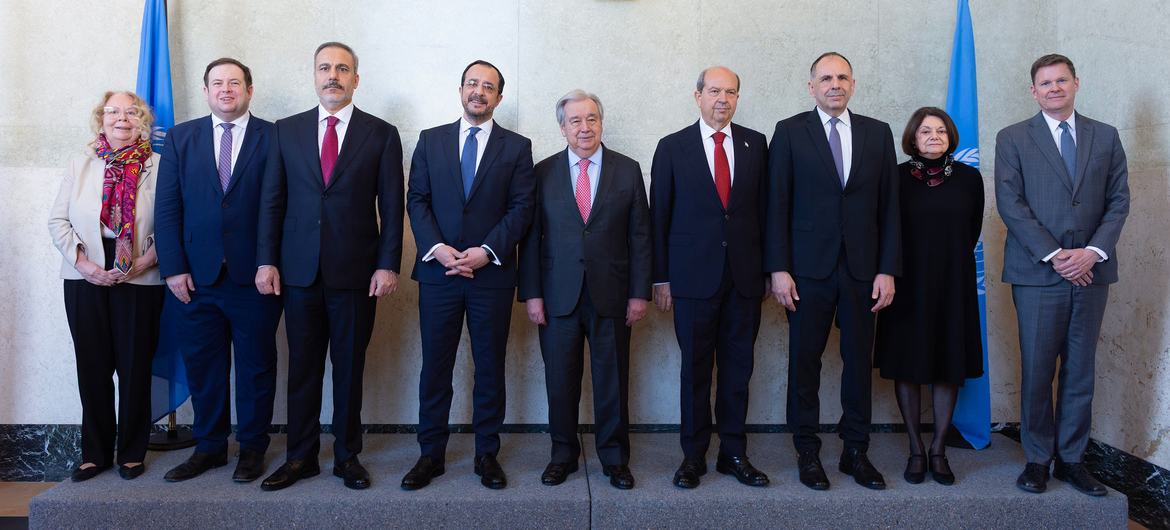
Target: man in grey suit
{"x":1061,"y":187}
{"x":585,"y":274}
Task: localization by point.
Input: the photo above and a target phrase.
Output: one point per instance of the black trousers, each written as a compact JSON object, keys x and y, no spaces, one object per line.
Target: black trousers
{"x":717,"y":332}
{"x":115,"y":330}
{"x":320,"y":320}
{"x":562,"y":344}
{"x":847,"y":299}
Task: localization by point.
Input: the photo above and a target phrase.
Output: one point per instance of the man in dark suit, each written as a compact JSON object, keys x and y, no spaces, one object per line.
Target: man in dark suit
{"x":585,"y":273}
{"x":707,"y":209}
{"x":1061,"y":185}
{"x":833,"y":231}
{"x":206,"y":208}
{"x":470,"y":203}
{"x":333,"y":173}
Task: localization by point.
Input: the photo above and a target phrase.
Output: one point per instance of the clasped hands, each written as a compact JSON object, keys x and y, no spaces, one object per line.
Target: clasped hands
{"x":462,"y":263}
{"x":1075,"y":265}
{"x":95,"y":274}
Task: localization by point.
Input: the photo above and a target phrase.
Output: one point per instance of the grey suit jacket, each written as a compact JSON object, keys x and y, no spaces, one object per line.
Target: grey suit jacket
{"x":1045,"y":208}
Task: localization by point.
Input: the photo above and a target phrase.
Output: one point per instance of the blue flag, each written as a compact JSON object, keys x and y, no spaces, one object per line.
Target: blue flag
{"x":972,"y":415}
{"x":169,"y":384}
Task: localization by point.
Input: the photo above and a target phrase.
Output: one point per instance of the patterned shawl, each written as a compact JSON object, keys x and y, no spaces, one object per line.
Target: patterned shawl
{"x":119,"y":190}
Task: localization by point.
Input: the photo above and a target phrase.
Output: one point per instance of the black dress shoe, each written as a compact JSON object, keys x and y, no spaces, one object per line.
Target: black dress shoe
{"x":421,"y":474}
{"x":743,"y":470}
{"x":353,"y":474}
{"x":131,"y":472}
{"x":619,"y":476}
{"x":812,"y":473}
{"x":82,"y":475}
{"x":940,"y":470}
{"x":556,"y":472}
{"x":1079,"y":477}
{"x":289,"y":473}
{"x":915,"y":469}
{"x":854,"y":462}
{"x":491,"y":475}
{"x":250,"y":466}
{"x":689,"y":472}
{"x":195,"y":465}
{"x":1034,"y":479}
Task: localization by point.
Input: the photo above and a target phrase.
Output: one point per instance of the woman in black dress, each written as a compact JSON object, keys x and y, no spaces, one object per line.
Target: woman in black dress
{"x":930,"y":334}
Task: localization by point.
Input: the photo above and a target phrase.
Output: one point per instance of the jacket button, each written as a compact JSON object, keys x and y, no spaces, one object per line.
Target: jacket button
{"x":1076,"y":203}
{"x":226,"y":205}
{"x":726,"y":217}
{"x":724,"y":243}
{"x":586,"y":232}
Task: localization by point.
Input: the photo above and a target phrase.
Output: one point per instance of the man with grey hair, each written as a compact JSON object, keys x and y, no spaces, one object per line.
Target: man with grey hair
{"x":592,"y":221}
{"x":707,"y":221}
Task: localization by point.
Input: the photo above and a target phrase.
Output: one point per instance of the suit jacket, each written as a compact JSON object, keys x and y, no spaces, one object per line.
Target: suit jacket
{"x":612,"y":249}
{"x":75,"y":219}
{"x":1044,"y":208}
{"x":306,"y":226}
{"x":811,"y":219}
{"x":496,"y":213}
{"x":199,"y":225}
{"x":693,"y":234}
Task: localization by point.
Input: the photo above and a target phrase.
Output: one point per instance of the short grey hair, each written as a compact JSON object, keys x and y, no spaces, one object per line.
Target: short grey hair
{"x":702,"y":82}
{"x":335,"y":44}
{"x":578,"y":95}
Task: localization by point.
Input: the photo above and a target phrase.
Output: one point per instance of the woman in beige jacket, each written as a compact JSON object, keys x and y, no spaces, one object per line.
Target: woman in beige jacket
{"x":103,"y":224}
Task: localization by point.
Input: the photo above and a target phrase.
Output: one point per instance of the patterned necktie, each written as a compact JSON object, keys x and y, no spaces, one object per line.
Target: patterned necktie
{"x":584,"y":197}
{"x":722,"y":170}
{"x":329,"y":149}
{"x":467,"y":161}
{"x":1068,"y":150}
{"x":835,"y":147}
{"x":225,"y":156}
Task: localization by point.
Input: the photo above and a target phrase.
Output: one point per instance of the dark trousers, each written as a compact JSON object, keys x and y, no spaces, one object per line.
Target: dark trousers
{"x":115,"y":330}
{"x":562,"y":344}
{"x":717,"y":332}
{"x":442,"y":308}
{"x":1063,"y":322}
{"x":320,"y":320}
{"x":219,"y":316}
{"x":849,"y":300}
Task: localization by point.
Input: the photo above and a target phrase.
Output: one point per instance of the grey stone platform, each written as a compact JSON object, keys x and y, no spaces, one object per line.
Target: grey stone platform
{"x":984,"y":497}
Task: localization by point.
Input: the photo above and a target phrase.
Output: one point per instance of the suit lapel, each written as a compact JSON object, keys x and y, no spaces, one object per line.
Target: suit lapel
{"x":310,"y":151}
{"x":605,"y":186}
{"x":355,"y":135}
{"x":816,"y":132}
{"x":450,"y":147}
{"x":1084,"y":149}
{"x":494,"y":146}
{"x":858,"y":138}
{"x":695,"y":147}
{"x":205,"y":151}
{"x":739,"y":147}
{"x":252,"y":137}
{"x":1042,"y":136}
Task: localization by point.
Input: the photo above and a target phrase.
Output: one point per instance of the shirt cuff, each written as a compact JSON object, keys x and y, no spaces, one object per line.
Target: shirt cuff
{"x":1049,"y":257}
{"x":491,"y":254}
{"x":430,"y":255}
{"x":663,"y":283}
{"x":262,"y":266}
{"x":1104,"y":256}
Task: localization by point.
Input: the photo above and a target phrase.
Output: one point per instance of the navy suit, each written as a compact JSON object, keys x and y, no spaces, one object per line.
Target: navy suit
{"x":496,"y":213}
{"x":711,"y":257}
{"x":326,"y":243}
{"x":210,"y":233}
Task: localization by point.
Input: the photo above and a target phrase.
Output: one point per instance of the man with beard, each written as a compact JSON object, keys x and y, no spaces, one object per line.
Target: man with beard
{"x":470,"y":202}
{"x":333,"y":172}
{"x":210,"y":271}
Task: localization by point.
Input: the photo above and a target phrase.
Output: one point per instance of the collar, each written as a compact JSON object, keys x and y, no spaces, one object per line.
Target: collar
{"x":844,"y":117}
{"x":706,"y":130}
{"x":241,"y":123}
{"x":1054,"y":124}
{"x":594,"y":159}
{"x":345,"y":114}
{"x":486,"y":126}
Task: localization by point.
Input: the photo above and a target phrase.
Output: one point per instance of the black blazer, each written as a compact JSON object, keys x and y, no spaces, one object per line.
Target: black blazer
{"x":198,"y":226}
{"x":612,"y":249}
{"x":693,"y":234}
{"x":810,"y":218}
{"x":496,"y":213}
{"x":306,"y":226}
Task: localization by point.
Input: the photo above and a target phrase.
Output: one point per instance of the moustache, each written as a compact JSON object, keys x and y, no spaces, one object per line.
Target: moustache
{"x":332,"y":84}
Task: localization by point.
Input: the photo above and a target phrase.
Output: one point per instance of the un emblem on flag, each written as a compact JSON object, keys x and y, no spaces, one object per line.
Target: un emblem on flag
{"x":969,"y":156}
{"x":157,"y":136}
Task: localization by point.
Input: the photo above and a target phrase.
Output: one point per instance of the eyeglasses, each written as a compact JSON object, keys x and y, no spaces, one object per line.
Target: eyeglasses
{"x":129,"y":112}
{"x":488,"y":88}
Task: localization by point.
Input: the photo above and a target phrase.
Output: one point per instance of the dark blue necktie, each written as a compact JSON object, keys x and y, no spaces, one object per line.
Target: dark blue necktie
{"x":467,"y":161}
{"x":1068,"y":150}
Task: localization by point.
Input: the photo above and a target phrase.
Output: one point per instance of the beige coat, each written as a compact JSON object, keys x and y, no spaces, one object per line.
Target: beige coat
{"x":75,"y":218}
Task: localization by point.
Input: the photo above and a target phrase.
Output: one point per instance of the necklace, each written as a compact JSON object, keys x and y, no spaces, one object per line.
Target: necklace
{"x":934,"y":175}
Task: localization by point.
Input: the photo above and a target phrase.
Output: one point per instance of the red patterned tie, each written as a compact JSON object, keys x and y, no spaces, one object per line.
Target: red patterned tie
{"x":583,"y":192}
{"x":329,"y":149}
{"x":722,"y":169}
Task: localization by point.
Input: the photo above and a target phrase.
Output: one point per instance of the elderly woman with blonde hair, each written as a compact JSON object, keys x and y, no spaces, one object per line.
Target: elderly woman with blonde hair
{"x":103,"y":224}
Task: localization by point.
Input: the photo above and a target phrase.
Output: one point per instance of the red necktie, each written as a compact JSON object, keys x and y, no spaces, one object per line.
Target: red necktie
{"x":329,"y":149}
{"x":583,"y":192}
{"x":722,"y":170}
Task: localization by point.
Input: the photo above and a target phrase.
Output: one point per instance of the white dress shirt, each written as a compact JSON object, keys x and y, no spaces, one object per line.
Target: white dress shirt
{"x":709,"y":147}
{"x":845,"y":129}
{"x":240,"y":127}
{"x":1054,"y":129}
{"x":594,"y":172}
{"x":343,"y":117}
